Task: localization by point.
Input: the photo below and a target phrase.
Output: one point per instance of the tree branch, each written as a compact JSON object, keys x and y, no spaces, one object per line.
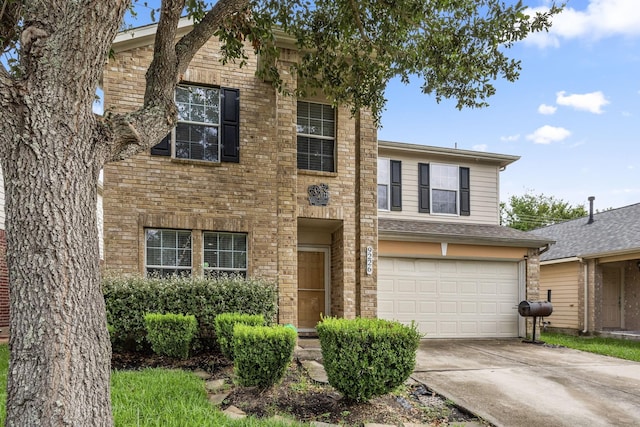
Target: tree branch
{"x":190,"y":43}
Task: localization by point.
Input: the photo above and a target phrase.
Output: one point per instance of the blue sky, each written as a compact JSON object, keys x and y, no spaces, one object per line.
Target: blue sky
{"x":573,"y":116}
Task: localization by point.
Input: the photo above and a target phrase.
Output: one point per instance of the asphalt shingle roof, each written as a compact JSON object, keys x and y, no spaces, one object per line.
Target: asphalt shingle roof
{"x":612,"y":231}
{"x":456,"y":232}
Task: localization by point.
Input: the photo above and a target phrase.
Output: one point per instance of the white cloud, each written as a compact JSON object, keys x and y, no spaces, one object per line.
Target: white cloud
{"x":592,"y":102}
{"x":480,"y":147}
{"x":600,"y":19}
{"x":510,"y":138}
{"x":548,"y":134}
{"x":547,"y":109}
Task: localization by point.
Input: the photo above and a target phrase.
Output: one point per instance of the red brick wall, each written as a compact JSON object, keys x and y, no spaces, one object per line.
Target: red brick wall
{"x":4,"y":283}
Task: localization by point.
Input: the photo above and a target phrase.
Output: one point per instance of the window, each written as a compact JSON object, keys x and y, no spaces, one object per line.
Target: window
{"x":168,"y":252}
{"x":443,"y":189}
{"x":225,"y":253}
{"x":316,"y":137}
{"x":208,"y":125}
{"x":383,"y":184}
{"x":389,"y":184}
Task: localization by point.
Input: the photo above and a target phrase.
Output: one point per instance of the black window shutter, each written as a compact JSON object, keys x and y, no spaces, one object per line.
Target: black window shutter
{"x":396,"y":185}
{"x":423,"y":188}
{"x":465,"y":193}
{"x":163,"y":148}
{"x":230,"y":125}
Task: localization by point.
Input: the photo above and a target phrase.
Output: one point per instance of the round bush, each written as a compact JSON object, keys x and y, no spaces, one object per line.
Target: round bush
{"x":367,"y":357}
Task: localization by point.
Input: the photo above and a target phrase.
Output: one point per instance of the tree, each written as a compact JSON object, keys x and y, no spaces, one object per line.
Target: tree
{"x":53,"y":146}
{"x":531,"y":211}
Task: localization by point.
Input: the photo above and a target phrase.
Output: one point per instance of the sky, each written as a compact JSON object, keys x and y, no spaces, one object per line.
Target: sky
{"x":573,"y":116}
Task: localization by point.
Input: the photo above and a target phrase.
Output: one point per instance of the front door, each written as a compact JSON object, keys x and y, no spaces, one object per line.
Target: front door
{"x":312,"y":286}
{"x":611,"y":298}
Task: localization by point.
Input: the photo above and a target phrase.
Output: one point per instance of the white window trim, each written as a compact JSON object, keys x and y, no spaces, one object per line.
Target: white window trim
{"x":167,"y":267}
{"x":244,"y":270}
{"x":206,"y":124}
{"x":321,"y":137}
{"x":388,"y":183}
{"x":432,"y":187}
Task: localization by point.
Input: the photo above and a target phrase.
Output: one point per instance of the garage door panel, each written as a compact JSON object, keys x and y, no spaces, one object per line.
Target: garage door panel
{"x":448,"y":298}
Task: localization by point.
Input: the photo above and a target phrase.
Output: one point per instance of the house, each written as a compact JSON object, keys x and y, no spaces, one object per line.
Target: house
{"x":250,"y":182}
{"x":256,"y":183}
{"x":444,"y":261}
{"x":593,"y":271}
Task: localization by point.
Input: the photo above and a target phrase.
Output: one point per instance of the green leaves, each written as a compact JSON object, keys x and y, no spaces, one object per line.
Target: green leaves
{"x":351,"y":49}
{"x":531,"y":211}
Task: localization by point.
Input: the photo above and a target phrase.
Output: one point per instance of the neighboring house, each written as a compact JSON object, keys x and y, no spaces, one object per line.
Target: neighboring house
{"x":444,"y":260}
{"x":593,"y":271}
{"x":255,"y":183}
{"x":250,"y":182}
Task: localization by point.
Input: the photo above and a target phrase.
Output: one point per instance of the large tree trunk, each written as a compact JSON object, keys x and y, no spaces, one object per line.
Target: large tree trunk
{"x":52,"y":153}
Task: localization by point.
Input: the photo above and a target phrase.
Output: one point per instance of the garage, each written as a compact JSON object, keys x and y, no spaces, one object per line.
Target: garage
{"x":451,"y":298}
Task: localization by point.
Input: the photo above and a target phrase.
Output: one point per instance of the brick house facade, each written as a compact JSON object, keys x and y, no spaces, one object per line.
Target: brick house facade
{"x":231,"y":189}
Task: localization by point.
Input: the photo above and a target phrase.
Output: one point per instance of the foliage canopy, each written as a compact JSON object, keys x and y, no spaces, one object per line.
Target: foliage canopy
{"x":531,"y":211}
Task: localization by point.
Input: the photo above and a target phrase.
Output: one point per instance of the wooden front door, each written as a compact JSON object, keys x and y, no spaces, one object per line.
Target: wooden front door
{"x":312,"y":290}
{"x":611,"y":298}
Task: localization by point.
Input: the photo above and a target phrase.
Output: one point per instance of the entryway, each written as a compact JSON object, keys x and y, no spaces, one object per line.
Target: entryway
{"x":612,"y":298}
{"x":313,"y":286}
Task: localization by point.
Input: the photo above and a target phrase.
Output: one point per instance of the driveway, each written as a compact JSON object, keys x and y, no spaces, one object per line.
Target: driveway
{"x":510,"y":383}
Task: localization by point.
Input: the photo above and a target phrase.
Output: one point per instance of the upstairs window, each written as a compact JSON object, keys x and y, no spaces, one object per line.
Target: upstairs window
{"x":208,"y":125}
{"x":443,"y":189}
{"x":225,"y":253}
{"x":316,"y":137}
{"x":389,"y":184}
{"x":167,"y":252}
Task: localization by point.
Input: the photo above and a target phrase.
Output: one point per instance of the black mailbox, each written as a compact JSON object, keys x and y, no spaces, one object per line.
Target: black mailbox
{"x":535,"y":308}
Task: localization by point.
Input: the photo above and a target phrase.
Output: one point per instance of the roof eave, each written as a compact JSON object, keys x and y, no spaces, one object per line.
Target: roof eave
{"x":449,"y":238}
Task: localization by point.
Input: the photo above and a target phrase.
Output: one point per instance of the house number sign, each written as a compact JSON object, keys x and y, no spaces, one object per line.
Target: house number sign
{"x":369,"y":260}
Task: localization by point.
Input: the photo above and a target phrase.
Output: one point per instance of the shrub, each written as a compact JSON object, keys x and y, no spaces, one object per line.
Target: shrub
{"x":223,"y":326}
{"x":262,"y":353}
{"x":128,"y":299}
{"x":170,"y":334}
{"x":367,"y":357}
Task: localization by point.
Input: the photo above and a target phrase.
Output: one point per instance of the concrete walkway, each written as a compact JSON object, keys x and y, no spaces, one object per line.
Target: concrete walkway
{"x":510,"y":383}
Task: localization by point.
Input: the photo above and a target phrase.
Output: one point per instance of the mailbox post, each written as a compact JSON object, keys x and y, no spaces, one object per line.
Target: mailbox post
{"x":535,"y":309}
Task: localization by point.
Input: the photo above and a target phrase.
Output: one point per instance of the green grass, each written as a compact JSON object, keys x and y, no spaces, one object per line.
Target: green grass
{"x":155,"y":398}
{"x":620,"y":348}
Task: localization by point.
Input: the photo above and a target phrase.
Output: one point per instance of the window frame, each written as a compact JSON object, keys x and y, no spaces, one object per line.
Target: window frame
{"x":217,"y":271}
{"x":205,"y":124}
{"x":433,"y":187}
{"x":166,"y":270}
{"x":387,"y":163}
{"x":321,"y":137}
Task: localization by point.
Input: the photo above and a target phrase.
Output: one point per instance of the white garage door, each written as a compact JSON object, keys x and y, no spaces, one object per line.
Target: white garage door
{"x":449,"y":298}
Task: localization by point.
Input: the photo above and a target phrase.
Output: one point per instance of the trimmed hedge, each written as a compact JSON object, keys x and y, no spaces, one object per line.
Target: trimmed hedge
{"x":128,"y":299}
{"x":223,"y":326}
{"x":367,"y":357}
{"x":170,"y":334}
{"x":262,"y":353}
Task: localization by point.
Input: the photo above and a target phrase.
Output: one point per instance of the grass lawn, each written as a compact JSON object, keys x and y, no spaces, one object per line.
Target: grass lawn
{"x":620,"y":348}
{"x":154,"y":397}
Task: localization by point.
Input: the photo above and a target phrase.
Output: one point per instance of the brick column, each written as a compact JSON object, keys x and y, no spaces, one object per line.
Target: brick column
{"x":287,"y":168}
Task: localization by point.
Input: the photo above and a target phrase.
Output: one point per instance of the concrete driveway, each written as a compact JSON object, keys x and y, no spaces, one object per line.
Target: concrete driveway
{"x":510,"y":383}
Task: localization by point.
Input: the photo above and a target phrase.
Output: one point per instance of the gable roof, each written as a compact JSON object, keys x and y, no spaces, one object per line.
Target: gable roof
{"x":616,"y":231}
{"x":482,"y":234}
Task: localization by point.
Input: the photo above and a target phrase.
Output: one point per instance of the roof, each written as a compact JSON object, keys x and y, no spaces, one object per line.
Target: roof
{"x":613,"y":232}
{"x":502,"y":160}
{"x":458,"y":233}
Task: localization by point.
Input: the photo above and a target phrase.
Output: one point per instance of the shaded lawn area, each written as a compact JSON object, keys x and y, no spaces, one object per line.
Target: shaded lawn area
{"x":620,"y":348}
{"x":154,"y":397}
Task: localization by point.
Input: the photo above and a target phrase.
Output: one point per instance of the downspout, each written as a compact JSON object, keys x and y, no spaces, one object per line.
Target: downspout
{"x":586,"y":294}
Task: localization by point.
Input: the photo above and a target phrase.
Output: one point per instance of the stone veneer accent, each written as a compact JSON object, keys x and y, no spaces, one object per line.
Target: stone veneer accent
{"x":264,"y":195}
